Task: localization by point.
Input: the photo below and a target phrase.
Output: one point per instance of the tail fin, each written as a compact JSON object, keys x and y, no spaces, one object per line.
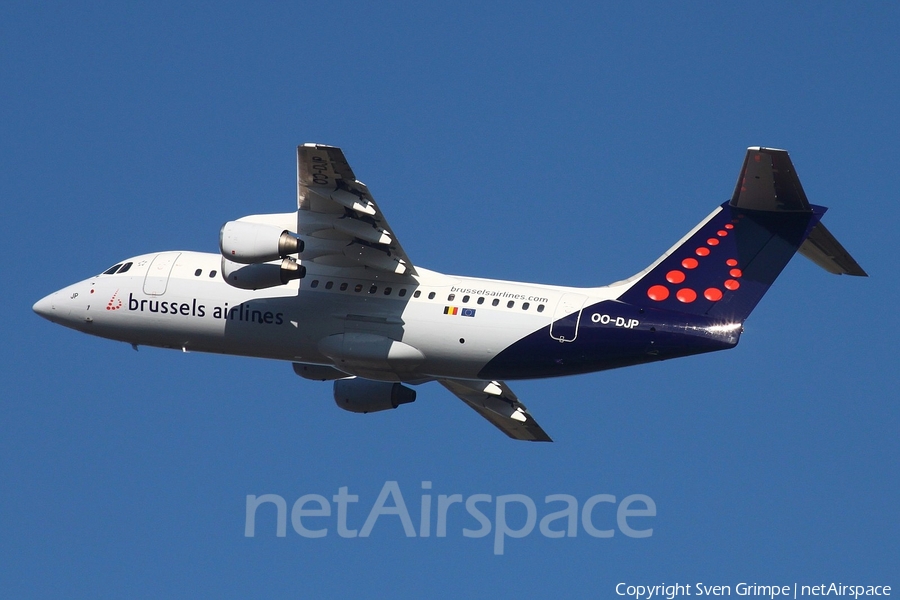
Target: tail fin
{"x":725,"y":265}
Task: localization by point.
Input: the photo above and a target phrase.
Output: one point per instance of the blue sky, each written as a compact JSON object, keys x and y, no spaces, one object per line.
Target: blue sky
{"x":567,"y":144}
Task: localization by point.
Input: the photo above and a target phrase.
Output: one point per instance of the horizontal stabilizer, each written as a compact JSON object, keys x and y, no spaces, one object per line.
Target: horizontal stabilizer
{"x":823,"y":249}
{"x":768,"y":181}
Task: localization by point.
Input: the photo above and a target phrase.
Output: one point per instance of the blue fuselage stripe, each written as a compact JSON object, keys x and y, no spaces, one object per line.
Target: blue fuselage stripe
{"x":608,"y":335}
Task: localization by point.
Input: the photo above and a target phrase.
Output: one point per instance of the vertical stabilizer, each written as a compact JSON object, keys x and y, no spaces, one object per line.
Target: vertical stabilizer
{"x":726,"y":264}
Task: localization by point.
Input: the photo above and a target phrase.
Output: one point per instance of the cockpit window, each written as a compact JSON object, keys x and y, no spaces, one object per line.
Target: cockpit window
{"x":119,"y":268}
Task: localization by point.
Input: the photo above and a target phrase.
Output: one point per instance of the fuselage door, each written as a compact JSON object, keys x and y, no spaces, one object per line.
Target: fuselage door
{"x":157,"y":278}
{"x":566,"y":317}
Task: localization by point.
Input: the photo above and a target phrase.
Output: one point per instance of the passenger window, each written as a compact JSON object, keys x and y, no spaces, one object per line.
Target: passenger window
{"x":198,"y":272}
{"x":112,"y":269}
{"x":431,"y":296}
{"x":451,"y":297}
{"x":387,"y":291}
{"x":510,"y":304}
{"x":525,"y":306}
{"x":343,"y":286}
{"x":124,"y":268}
{"x":329,"y":285}
{"x":416,"y":294}
{"x":314,"y":284}
{"x":212,"y":274}
{"x":358,"y":288}
{"x":540,"y":308}
{"x":465,"y":299}
{"x":402,"y":292}
{"x":373,"y":289}
{"x":481,"y":300}
{"x":495,"y":302}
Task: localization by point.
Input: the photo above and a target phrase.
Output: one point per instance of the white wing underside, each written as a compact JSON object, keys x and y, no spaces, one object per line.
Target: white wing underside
{"x":339,"y":219}
{"x":494,"y":401}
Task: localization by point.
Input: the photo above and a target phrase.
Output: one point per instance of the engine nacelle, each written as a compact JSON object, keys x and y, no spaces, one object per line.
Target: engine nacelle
{"x":365,"y":396}
{"x":261,"y":276}
{"x":252,"y":243}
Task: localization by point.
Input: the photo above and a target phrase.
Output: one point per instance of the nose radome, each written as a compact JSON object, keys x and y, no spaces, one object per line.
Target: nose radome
{"x":46,"y":306}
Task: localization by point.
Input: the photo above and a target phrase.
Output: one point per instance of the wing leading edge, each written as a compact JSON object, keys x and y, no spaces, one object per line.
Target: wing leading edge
{"x":337,"y":211}
{"x":494,"y":401}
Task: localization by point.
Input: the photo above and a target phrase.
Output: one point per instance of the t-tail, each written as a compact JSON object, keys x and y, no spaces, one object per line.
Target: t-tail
{"x":723,"y":267}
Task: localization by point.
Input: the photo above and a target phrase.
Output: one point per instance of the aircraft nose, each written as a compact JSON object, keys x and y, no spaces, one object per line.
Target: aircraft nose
{"x":46,"y":306}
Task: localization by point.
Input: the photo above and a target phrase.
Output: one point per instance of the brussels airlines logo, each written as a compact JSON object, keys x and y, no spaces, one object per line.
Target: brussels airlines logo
{"x":245,"y":311}
{"x":115,"y":303}
{"x":679,"y":275}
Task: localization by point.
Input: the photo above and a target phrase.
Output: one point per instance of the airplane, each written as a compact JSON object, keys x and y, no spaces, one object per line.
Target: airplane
{"x":329,"y":288}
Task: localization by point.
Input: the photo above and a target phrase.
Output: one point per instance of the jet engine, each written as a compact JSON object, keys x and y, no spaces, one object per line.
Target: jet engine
{"x":365,"y":396}
{"x":262,"y":275}
{"x":251,"y":253}
{"x":252,"y":243}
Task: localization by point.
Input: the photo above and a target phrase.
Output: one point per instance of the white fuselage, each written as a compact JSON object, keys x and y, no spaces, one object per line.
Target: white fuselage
{"x":440,"y":325}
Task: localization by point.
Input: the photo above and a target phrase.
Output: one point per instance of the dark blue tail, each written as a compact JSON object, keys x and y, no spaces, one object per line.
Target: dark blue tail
{"x":726,"y":264}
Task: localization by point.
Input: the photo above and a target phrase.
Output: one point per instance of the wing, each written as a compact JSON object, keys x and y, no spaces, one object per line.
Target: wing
{"x":494,"y":401}
{"x":340,"y":220}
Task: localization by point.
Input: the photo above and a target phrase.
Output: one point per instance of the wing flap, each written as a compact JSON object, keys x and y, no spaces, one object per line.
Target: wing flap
{"x":494,"y":401}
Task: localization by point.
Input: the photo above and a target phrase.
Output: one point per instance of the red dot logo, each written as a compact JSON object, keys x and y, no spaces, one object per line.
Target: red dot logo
{"x":114,"y":303}
{"x":713,"y":294}
{"x":721,"y":233}
{"x":712,"y":242}
{"x":686,"y":295}
{"x":732,"y":285}
{"x":675,"y":276}
{"x":735,"y":273}
{"x":731,"y":262}
{"x":658,"y":293}
{"x":689,"y":263}
{"x":702,"y":251}
{"x":729,"y":226}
